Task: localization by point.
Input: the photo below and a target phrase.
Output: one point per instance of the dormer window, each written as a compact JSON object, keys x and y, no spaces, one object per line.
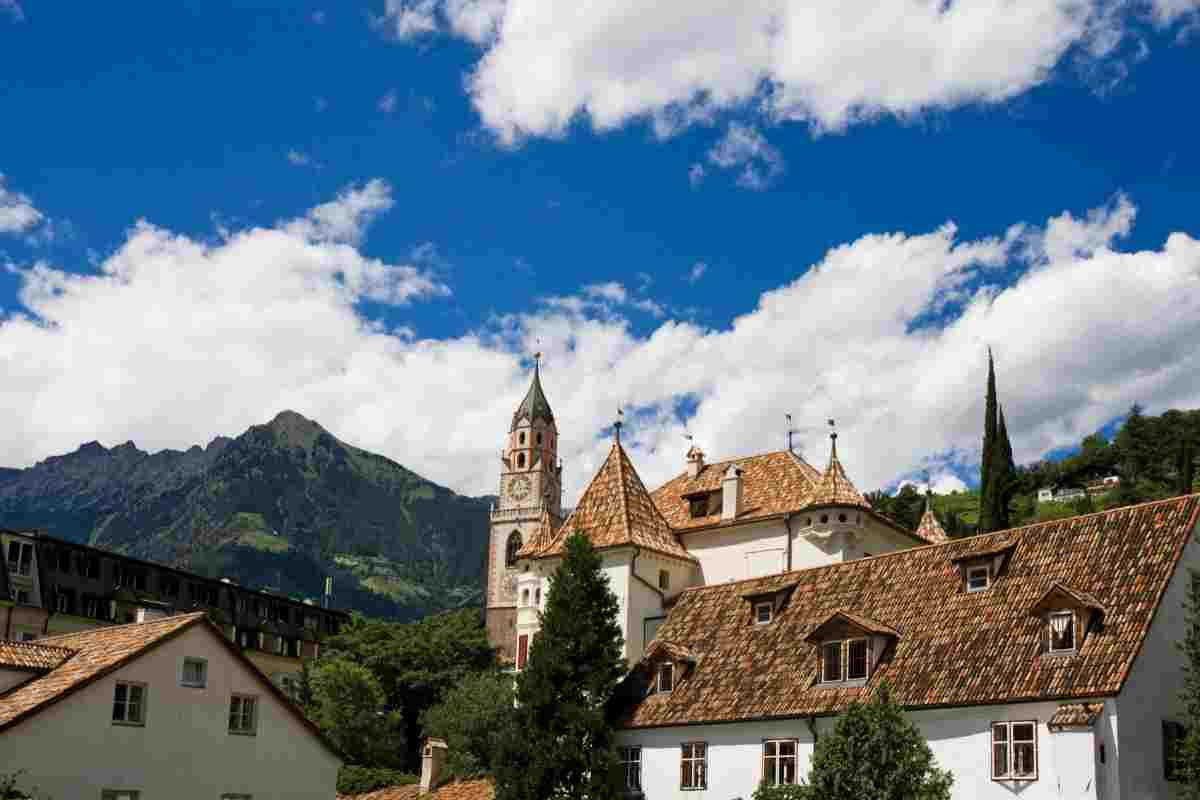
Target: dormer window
{"x":846,"y":660}
{"x":704,"y":505}
{"x":978,"y":578}
{"x":1062,"y":632}
{"x":763,"y":613}
{"x":666,"y":677}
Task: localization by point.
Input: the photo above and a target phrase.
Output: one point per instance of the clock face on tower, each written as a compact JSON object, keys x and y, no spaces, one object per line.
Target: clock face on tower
{"x":518,"y":487}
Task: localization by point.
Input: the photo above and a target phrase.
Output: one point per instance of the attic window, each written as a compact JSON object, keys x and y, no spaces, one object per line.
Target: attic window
{"x":704,"y":505}
{"x":978,"y":578}
{"x":763,"y":612}
{"x":846,"y":660}
{"x":666,"y":677}
{"x":1062,"y":632}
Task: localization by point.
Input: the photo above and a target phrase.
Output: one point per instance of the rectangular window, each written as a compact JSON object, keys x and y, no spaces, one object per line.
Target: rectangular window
{"x":1173,"y":734}
{"x":666,"y":677}
{"x":522,"y":650}
{"x":698,"y":506}
{"x":1062,"y":632}
{"x":856,"y":662}
{"x":23,"y":596}
{"x":831,"y":662}
{"x":631,"y":767}
{"x":242,"y":714}
{"x":20,"y":557}
{"x":129,"y":703}
{"x":693,"y":766}
{"x":977,"y":579}
{"x":1014,"y":751}
{"x":26,"y":636}
{"x":762,"y":613}
{"x":195,"y":672}
{"x":120,"y":794}
{"x":779,"y":762}
{"x":664,"y":580}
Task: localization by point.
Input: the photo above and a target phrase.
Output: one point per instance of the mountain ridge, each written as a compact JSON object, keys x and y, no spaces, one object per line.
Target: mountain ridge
{"x":280,"y":506}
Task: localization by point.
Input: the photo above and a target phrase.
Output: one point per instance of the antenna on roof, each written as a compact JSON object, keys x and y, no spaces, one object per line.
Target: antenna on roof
{"x":790,"y":432}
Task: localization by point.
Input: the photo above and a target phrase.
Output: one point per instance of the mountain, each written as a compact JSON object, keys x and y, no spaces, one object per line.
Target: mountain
{"x":281,"y":506}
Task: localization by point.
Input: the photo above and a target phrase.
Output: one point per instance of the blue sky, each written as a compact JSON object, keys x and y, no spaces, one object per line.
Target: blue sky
{"x":516,"y":176}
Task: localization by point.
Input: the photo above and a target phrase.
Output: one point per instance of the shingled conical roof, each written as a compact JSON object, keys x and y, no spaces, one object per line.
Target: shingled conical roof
{"x":930,"y":529}
{"x":834,"y":488}
{"x":535,"y":406}
{"x":616,"y":510}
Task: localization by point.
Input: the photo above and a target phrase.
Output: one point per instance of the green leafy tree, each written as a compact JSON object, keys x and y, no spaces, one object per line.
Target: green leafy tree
{"x":416,"y":663}
{"x":1187,"y":756}
{"x":349,"y":706}
{"x":1186,"y":467}
{"x":875,"y":751}
{"x":357,"y":779}
{"x":9,"y":790}
{"x":471,"y":719}
{"x":797,"y":791}
{"x":559,"y":741}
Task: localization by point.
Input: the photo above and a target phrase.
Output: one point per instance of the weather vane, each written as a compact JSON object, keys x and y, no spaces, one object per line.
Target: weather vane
{"x":619,"y":422}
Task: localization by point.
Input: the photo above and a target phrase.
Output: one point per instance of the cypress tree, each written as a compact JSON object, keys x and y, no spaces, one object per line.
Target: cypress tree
{"x":989,"y":441}
{"x":997,"y":472}
{"x":1187,"y":467}
{"x":559,"y":740}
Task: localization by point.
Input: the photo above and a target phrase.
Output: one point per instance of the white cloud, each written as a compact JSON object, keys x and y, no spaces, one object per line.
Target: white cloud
{"x":298,"y":158}
{"x":743,"y":146}
{"x":697,"y":272}
{"x":543,"y":64}
{"x":387,"y":103}
{"x":17,"y":213}
{"x":695,"y":175}
{"x":13,"y":9}
{"x":173,"y":341}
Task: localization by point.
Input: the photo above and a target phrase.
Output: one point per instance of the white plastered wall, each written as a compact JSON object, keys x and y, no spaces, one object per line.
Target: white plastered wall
{"x":735,"y":552}
{"x":184,"y":751}
{"x":1151,"y":693}
{"x":960,"y":739}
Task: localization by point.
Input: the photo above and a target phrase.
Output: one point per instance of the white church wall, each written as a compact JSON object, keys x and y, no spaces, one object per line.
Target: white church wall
{"x":875,"y":539}
{"x":960,"y":739}
{"x":1151,"y":693}
{"x":736,"y":552}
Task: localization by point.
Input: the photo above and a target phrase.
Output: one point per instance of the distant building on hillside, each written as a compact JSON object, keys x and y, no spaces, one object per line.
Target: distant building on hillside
{"x":1067,"y":494}
{"x":52,"y":586}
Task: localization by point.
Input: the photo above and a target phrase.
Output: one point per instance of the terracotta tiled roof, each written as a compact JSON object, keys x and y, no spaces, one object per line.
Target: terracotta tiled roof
{"x":100,"y":651}
{"x":773,"y":484}
{"x":865,"y":624}
{"x":473,"y":789}
{"x":673,"y":651}
{"x":1060,"y":589}
{"x":930,"y":529}
{"x":32,"y":656}
{"x":542,"y":536}
{"x":1076,"y":715}
{"x":834,"y":488}
{"x":616,"y":509}
{"x":954,"y":647}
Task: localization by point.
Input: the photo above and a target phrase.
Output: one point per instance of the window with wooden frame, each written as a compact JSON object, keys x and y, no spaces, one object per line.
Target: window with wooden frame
{"x":1061,"y":631}
{"x":693,"y":765}
{"x":780,"y":761}
{"x":763,"y":612}
{"x":665,"y":677}
{"x":195,"y":673}
{"x":20,"y":557}
{"x":978,"y":578}
{"x":129,"y":703}
{"x":1173,"y":735}
{"x":631,"y":767}
{"x":243,"y":715}
{"x":1014,"y":751}
{"x":846,"y":660}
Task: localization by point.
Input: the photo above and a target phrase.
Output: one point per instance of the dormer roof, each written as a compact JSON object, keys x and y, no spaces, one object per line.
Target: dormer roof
{"x":616,"y":510}
{"x":841,"y":618}
{"x":1059,"y":594}
{"x":535,"y":407}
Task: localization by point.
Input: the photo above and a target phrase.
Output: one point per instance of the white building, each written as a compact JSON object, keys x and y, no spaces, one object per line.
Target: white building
{"x":759,"y":597}
{"x":167,"y":708}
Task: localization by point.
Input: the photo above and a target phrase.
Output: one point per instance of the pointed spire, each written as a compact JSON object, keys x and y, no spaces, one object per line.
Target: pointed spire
{"x":535,"y":406}
{"x":835,"y":488}
{"x":930,"y":529}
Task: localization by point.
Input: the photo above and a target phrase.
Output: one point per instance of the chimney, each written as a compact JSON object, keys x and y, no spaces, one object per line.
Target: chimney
{"x":731,"y":493}
{"x":695,"y":461}
{"x":433,"y":756}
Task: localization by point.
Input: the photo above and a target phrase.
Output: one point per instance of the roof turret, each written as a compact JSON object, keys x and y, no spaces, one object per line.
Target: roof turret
{"x":834,"y":488}
{"x":930,"y":529}
{"x":535,"y":406}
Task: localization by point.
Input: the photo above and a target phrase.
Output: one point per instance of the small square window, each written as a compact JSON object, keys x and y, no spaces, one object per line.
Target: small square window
{"x":977,"y":579}
{"x":664,"y":580}
{"x":762,"y":613}
{"x":129,"y":703}
{"x":195,"y":672}
{"x":1062,"y":632}
{"x":243,"y":714}
{"x":666,"y":677}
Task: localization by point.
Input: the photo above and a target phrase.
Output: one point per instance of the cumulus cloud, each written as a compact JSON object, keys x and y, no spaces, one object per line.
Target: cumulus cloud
{"x":173,"y":341}
{"x":298,"y":158}
{"x":544,"y":64}
{"x":745,"y":147}
{"x":17,"y":213}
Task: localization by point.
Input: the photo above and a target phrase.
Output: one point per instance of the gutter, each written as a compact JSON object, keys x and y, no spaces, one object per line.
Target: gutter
{"x":787,"y":523}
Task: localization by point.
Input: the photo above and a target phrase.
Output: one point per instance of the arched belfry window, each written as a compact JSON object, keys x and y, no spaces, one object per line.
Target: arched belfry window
{"x":520,"y":459}
{"x":510,"y":550}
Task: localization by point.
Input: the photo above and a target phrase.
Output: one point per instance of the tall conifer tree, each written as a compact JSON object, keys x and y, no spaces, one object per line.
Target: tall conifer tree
{"x":989,"y":438}
{"x":1186,"y":467}
{"x":559,"y":742}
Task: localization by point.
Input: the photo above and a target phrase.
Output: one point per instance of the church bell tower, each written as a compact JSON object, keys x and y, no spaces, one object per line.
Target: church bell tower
{"x":530,"y":486}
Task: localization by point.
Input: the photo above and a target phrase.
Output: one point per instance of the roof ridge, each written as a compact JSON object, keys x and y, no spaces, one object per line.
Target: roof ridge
{"x":37,"y":644}
{"x":948,"y":542}
{"x":104,"y":628}
{"x":622,"y":457}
